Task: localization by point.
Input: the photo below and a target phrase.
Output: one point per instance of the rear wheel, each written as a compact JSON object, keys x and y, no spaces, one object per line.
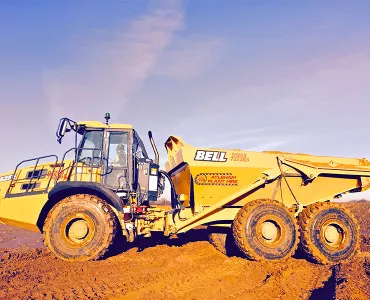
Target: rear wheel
{"x":80,"y":228}
{"x":330,"y":233}
{"x":265,"y":230}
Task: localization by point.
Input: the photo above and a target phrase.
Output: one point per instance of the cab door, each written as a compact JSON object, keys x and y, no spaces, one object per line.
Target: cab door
{"x":118,"y":162}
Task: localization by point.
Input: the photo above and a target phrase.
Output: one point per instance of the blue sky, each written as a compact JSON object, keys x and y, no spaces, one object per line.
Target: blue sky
{"x":257,"y":75}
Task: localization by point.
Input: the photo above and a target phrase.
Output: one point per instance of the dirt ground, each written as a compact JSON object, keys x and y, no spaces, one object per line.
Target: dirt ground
{"x":180,"y":268}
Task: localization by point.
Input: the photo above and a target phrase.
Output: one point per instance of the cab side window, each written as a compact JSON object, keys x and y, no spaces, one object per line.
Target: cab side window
{"x":117,"y":159}
{"x":117,"y":152}
{"x":138,"y":146}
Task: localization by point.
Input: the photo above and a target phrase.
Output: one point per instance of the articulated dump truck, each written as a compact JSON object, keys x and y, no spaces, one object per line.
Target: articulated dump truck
{"x":268,"y":204}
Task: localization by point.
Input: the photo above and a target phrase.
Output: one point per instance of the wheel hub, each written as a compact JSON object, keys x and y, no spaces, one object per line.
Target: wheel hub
{"x":78,"y":230}
{"x":332,"y":234}
{"x":269,"y":230}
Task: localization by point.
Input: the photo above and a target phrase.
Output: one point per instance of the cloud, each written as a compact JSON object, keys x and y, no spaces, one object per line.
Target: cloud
{"x":189,"y":58}
{"x":256,"y":143}
{"x":226,"y":138}
{"x":105,"y":72}
{"x":270,"y":145}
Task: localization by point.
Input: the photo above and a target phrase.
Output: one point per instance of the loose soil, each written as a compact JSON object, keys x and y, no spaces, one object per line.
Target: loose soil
{"x":185,"y":267}
{"x":361,"y":210}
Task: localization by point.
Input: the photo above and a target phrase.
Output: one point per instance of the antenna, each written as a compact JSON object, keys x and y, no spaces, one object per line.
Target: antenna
{"x":107,"y":117}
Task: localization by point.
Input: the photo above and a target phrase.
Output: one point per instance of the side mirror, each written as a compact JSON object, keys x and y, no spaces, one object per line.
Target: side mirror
{"x":62,"y":129}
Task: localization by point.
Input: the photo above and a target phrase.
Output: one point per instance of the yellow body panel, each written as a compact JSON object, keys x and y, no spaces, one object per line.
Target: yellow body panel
{"x":181,"y":182}
{"x":96,"y":124}
{"x":208,"y":176}
{"x":23,"y":209}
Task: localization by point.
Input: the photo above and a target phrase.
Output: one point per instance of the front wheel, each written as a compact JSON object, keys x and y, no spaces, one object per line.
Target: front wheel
{"x":80,"y":228}
{"x":330,"y":233}
{"x":265,"y":230}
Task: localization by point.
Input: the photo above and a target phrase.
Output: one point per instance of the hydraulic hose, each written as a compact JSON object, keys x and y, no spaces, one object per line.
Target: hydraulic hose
{"x":175,"y":203}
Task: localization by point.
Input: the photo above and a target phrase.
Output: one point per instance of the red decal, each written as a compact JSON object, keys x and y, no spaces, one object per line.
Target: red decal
{"x":239,"y":157}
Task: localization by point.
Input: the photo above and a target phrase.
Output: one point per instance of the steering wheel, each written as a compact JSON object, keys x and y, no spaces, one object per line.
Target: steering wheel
{"x":83,"y":160}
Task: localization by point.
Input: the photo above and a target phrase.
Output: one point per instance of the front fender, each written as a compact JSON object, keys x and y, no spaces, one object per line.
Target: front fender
{"x":65,"y":189}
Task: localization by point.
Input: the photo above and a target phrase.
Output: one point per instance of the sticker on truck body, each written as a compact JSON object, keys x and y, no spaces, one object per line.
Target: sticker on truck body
{"x":242,"y":157}
{"x":153,"y":183}
{"x":6,"y":178}
{"x":215,"y":156}
{"x":221,"y":179}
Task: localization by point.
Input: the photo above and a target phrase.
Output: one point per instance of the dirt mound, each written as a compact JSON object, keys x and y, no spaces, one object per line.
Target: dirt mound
{"x":361,"y":210}
{"x":187,"y":267}
{"x":194,"y":270}
{"x":352,"y":279}
{"x":13,"y":237}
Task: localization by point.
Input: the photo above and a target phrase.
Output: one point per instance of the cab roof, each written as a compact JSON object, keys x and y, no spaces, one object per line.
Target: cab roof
{"x":97,"y":124}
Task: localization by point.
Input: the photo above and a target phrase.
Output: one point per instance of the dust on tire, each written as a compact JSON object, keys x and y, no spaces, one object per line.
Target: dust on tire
{"x":105,"y":226}
{"x":311,"y":219}
{"x":246,"y":238}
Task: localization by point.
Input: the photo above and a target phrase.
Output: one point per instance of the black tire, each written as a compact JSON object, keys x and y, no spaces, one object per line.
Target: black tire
{"x":265,"y":230}
{"x":316,"y":220}
{"x":80,"y":228}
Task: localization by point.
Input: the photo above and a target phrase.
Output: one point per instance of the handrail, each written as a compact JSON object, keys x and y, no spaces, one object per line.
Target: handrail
{"x":33,"y":172}
{"x":95,"y":162}
{"x":101,"y":159}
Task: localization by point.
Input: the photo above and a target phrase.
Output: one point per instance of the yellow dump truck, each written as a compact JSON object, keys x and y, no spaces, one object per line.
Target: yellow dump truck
{"x":266,"y":203}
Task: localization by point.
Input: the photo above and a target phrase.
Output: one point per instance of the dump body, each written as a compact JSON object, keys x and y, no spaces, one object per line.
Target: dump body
{"x":206,"y":177}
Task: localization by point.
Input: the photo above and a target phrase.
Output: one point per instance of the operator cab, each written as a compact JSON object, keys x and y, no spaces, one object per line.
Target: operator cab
{"x":118,"y":153}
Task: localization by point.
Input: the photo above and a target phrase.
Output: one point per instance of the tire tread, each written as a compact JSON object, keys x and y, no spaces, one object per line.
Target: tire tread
{"x":110,"y":219}
{"x":305,"y":219}
{"x":240,"y":238}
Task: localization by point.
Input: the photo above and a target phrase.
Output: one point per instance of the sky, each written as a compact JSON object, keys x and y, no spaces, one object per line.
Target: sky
{"x":254,"y":75}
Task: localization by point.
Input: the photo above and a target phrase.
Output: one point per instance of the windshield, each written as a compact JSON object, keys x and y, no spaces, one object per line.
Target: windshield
{"x":138,"y":146}
{"x":91,"y":146}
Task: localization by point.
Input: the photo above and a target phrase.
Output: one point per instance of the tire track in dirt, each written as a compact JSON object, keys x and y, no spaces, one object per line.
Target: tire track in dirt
{"x":353,"y":279}
{"x":195,"y":270}
{"x":361,"y":210}
{"x":183,"y":268}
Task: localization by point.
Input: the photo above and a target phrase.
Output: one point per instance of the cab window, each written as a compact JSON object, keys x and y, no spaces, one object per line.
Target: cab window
{"x":138,"y":146}
{"x":117,"y":151}
{"x":91,"y":147}
{"x":117,"y":159}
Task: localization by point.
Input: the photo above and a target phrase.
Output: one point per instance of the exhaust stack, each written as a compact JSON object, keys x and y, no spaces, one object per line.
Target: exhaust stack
{"x":154,"y":147}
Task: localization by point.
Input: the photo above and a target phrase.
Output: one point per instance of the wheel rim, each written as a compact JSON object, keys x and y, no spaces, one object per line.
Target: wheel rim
{"x":269,"y":231}
{"x":333,"y":234}
{"x":77,"y":230}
